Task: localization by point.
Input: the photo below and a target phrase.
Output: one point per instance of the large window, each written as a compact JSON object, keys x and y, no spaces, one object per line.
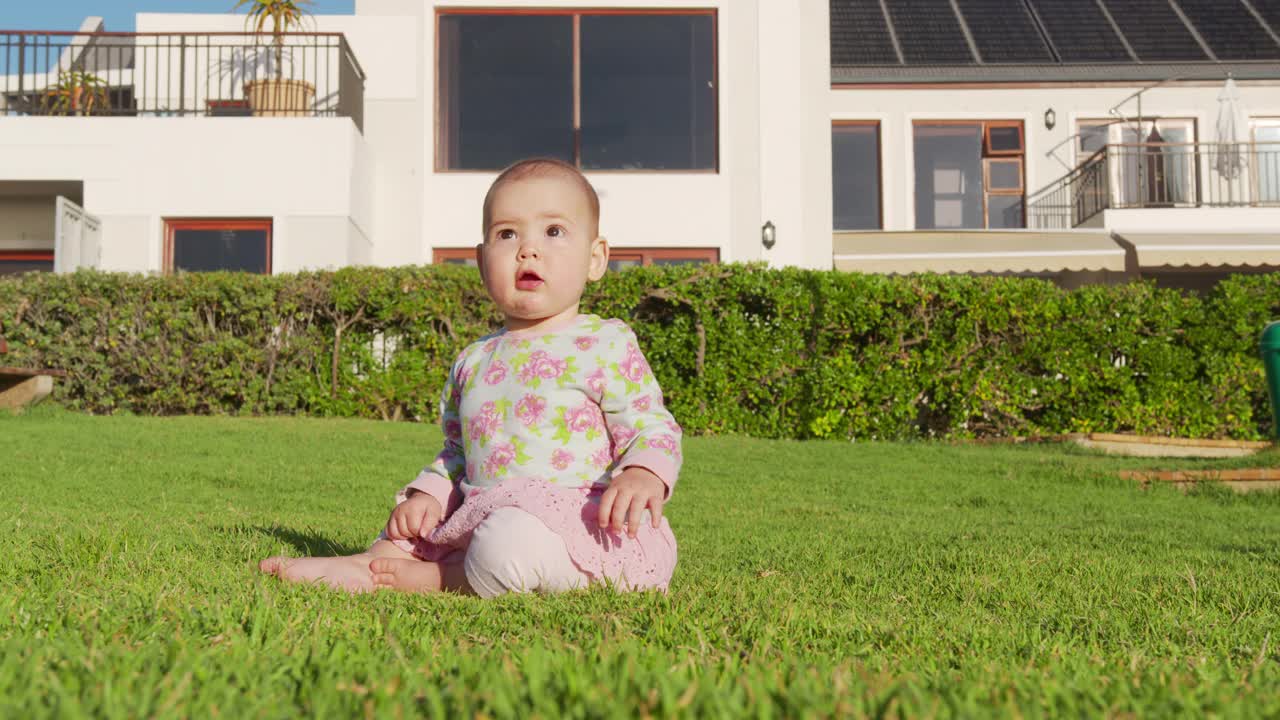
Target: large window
{"x":969,"y":174}
{"x":1266,"y":168}
{"x":855,"y":175}
{"x":605,"y":90}
{"x":210,"y":245}
{"x":16,"y":262}
{"x":1152,"y":162}
{"x":619,"y":258}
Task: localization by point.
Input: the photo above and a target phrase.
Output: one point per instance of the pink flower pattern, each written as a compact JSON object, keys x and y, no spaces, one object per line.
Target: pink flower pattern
{"x":531,"y":409}
{"x":564,"y":433}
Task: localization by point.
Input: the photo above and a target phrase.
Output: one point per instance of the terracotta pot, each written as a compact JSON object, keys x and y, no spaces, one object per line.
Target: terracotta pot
{"x":280,"y":98}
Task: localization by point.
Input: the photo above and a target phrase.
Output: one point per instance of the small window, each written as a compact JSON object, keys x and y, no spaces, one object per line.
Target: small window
{"x":855,"y":176}
{"x":624,"y":258}
{"x":218,"y":245}
{"x":1004,"y":139}
{"x":454,"y":256}
{"x":16,"y":262}
{"x":1004,"y":175}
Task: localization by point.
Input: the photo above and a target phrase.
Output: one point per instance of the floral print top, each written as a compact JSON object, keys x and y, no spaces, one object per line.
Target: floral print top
{"x":574,"y":406}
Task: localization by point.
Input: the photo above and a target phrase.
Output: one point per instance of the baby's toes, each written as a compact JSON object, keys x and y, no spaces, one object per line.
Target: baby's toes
{"x":384,"y":571}
{"x":272,"y":565}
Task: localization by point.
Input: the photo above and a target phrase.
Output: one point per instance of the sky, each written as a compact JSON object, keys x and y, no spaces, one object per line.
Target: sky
{"x":118,"y":14}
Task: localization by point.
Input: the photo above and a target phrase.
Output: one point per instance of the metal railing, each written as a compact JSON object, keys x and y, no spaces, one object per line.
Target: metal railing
{"x":179,"y":74}
{"x":1160,"y":175}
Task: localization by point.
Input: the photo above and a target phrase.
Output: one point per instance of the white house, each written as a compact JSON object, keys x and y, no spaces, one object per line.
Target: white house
{"x":1081,"y":140}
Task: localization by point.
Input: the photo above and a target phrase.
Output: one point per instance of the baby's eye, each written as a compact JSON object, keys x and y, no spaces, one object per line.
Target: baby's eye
{"x":556,"y":231}
{"x":505,"y":234}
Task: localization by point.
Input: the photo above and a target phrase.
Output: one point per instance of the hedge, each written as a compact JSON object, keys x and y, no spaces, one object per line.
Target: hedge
{"x":738,"y":348}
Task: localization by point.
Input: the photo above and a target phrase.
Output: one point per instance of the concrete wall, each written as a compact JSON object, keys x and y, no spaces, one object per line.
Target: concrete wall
{"x":301,"y":172}
{"x":897,"y":109}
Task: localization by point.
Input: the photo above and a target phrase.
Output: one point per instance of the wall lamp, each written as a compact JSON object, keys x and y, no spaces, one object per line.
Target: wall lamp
{"x":768,"y":235}
{"x":1050,"y":119}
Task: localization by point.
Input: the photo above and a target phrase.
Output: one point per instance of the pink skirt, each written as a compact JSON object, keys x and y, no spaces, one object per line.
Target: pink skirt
{"x":643,"y":562}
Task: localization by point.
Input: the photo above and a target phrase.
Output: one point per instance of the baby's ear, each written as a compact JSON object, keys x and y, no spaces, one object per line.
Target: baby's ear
{"x":599,"y":259}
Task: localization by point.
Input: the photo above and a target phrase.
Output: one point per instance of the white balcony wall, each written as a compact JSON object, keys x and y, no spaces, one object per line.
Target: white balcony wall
{"x":897,"y":109}
{"x":303,"y":173}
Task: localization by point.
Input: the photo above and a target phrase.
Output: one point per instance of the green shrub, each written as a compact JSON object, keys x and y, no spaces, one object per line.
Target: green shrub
{"x":737,"y":348}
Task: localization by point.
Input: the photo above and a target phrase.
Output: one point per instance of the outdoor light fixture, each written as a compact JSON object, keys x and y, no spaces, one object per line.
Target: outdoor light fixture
{"x":768,"y":235}
{"x":1050,"y":119}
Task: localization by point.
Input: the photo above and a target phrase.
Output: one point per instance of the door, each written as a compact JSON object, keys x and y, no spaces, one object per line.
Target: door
{"x":77,"y":237}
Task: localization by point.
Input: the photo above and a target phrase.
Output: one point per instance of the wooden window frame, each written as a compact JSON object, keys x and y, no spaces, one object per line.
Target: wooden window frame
{"x":987,"y":154}
{"x":576,"y":13}
{"x":879,"y":163}
{"x":172,"y":225}
{"x":988,"y":125}
{"x":987,"y":162}
{"x":441,"y":256}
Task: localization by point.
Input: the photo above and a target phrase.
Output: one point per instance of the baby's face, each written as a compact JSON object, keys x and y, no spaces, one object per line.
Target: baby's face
{"x":539,"y":250}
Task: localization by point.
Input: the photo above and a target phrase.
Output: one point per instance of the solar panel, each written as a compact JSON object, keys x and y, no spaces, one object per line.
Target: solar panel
{"x":1155,"y":31}
{"x":929,"y":33}
{"x":859,"y":34}
{"x":1004,"y":32}
{"x":1080,"y":32}
{"x":1230,"y":30}
{"x":1270,"y":11}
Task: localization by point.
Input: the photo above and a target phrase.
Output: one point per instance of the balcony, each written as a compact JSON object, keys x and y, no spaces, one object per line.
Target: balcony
{"x":1159,"y":175}
{"x":179,"y":74}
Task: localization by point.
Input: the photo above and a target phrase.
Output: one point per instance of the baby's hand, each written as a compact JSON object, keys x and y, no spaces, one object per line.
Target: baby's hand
{"x":415,"y":517}
{"x":627,"y":497}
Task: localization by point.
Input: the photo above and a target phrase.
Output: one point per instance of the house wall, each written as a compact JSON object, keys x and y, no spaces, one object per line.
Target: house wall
{"x":28,"y":223}
{"x":897,"y":109}
{"x":138,"y":171}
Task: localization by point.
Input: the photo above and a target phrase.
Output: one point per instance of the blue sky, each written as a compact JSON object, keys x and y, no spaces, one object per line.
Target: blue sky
{"x":118,"y":14}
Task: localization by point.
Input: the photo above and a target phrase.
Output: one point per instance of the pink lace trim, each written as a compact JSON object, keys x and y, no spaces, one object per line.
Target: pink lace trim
{"x":646,"y":561}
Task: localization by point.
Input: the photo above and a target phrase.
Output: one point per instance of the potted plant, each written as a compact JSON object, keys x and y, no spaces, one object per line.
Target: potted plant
{"x":76,"y":93}
{"x":278,"y":96}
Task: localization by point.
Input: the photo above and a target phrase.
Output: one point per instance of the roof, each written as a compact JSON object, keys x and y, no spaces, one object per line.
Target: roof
{"x":1010,"y":40}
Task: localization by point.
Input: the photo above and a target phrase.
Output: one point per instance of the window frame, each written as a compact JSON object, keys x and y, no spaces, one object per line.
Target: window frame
{"x":26,"y":256}
{"x":576,"y":14}
{"x":879,"y":169}
{"x":985,"y":155}
{"x":443,"y":256}
{"x":646,"y":255}
{"x":172,"y":225}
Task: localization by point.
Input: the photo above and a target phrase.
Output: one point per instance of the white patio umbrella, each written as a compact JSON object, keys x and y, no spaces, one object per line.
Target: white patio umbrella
{"x":1233,"y":129}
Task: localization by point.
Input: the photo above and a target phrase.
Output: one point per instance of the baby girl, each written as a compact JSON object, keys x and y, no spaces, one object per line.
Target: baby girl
{"x":558,"y":453}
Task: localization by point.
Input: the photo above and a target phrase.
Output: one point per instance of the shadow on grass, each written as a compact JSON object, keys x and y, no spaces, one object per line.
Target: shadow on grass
{"x":307,"y":542}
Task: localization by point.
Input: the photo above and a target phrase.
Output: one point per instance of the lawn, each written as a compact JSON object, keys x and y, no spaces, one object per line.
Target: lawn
{"x":818,"y":578}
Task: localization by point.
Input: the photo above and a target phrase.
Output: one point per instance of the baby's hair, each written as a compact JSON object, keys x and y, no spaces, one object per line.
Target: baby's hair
{"x":542,"y":167}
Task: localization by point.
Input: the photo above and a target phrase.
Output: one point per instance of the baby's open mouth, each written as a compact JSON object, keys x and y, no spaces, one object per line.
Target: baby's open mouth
{"x":528,"y":280}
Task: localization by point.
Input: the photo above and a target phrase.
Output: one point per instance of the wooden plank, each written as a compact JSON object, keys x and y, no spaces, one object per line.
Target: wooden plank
{"x":1242,"y":480}
{"x":1189,"y":442}
{"x":30,"y":372}
{"x":27,"y":392}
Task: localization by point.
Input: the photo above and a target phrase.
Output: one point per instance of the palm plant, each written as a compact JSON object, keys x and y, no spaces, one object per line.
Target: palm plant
{"x":281,"y":14}
{"x":76,"y":92}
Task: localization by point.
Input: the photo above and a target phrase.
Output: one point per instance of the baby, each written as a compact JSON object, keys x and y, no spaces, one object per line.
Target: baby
{"x":558,"y":454}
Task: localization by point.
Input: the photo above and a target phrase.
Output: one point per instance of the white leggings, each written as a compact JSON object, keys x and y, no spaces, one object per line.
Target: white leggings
{"x":513,"y":551}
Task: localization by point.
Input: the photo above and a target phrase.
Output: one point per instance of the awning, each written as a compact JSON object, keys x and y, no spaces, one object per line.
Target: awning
{"x":976,"y":251}
{"x":1204,"y":249}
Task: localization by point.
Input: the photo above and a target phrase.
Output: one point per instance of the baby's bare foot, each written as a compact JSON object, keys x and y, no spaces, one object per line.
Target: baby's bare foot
{"x":349,"y":573}
{"x":405,"y":575}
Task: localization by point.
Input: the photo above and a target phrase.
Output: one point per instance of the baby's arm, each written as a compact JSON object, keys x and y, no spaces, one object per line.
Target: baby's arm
{"x":439,"y":481}
{"x":645,"y":435}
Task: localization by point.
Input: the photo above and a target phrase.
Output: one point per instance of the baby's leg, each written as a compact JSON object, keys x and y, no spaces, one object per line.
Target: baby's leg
{"x":345,"y":572}
{"x":513,"y":551}
{"x":403,"y":571}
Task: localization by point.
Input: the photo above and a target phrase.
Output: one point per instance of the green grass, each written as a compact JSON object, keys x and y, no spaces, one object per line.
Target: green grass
{"x":814,"y":579}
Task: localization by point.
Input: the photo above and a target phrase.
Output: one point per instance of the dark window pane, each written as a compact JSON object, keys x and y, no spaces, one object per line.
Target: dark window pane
{"x":679,"y":261}
{"x":855,"y":177}
{"x":469,"y":262}
{"x":1006,"y":139}
{"x":506,"y":89}
{"x":17,"y":267}
{"x":648,"y":92}
{"x":1092,"y":139}
{"x":948,"y":164}
{"x":624,"y":264}
{"x":1004,"y":211}
{"x":209,"y":250}
{"x":1005,"y":175}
